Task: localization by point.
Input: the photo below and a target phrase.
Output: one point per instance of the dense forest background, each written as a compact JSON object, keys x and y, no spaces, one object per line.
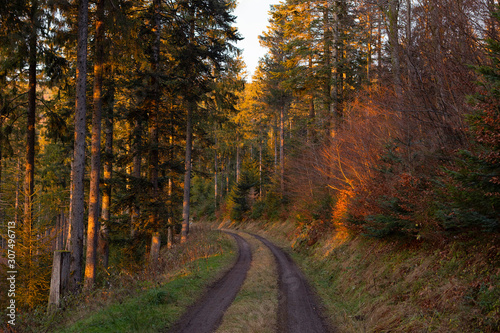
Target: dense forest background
{"x":121,"y":121}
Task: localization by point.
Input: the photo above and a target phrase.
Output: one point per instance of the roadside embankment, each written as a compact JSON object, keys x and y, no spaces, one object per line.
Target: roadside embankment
{"x":372,"y":285}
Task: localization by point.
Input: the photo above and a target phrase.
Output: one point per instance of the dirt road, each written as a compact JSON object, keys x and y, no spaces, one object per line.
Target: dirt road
{"x":206,"y":315}
{"x":298,"y":310}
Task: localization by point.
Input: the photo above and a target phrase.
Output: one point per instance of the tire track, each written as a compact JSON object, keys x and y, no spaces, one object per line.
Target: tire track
{"x":206,"y":315}
{"x":298,"y":310}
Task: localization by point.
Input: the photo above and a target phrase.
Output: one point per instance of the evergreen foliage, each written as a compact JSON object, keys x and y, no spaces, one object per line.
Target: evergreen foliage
{"x":243,"y":194}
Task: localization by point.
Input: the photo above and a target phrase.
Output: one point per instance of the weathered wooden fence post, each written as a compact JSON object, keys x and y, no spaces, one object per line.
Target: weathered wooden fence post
{"x":59,"y":279}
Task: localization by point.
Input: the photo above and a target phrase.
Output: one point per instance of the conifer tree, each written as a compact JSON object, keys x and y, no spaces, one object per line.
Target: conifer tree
{"x":75,"y":237}
{"x":95,"y":173}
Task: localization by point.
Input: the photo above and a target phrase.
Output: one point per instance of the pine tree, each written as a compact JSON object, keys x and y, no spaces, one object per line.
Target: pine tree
{"x":75,"y":238}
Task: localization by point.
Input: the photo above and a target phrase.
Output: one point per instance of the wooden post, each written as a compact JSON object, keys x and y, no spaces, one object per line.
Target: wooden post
{"x":59,"y":279}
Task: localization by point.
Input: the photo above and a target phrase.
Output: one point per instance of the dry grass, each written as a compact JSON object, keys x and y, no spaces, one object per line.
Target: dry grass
{"x":123,"y":285}
{"x":255,"y":307}
{"x":370,"y":285}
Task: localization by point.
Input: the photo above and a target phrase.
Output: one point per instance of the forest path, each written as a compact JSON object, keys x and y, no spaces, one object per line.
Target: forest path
{"x":298,"y":309}
{"x":206,"y":314}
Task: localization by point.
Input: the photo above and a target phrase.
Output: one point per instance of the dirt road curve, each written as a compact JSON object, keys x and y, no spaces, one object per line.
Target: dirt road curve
{"x":298,"y":310}
{"x":206,"y":315}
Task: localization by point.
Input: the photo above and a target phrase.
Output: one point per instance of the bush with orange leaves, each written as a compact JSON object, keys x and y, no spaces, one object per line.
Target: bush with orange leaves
{"x":385,"y":159}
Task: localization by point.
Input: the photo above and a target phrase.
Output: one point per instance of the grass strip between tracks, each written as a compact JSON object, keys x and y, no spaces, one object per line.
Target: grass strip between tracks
{"x":255,"y":308}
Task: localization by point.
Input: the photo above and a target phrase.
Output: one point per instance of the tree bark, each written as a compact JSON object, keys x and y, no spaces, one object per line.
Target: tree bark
{"x":187,"y":174}
{"x":78,"y":199}
{"x":95,"y":173}
{"x":136,"y":172}
{"x":107,"y":176}
{"x":238,"y":163}
{"x":282,"y":147}
{"x":216,"y":180}
{"x":155,"y":248}
{"x":30,"y":130}
{"x":153,"y":128}
{"x":327,"y":49}
{"x":393,"y":31}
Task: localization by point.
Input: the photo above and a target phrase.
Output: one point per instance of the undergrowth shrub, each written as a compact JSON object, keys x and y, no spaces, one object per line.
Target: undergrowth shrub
{"x":243,"y":194}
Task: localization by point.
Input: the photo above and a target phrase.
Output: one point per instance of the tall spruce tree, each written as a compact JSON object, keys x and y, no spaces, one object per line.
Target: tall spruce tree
{"x":75,"y":237}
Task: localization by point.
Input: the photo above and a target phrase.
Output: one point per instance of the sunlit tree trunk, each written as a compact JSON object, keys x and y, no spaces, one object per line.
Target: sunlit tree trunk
{"x":78,"y":199}
{"x":171,"y":229}
{"x":18,"y":190}
{"x":30,"y":130}
{"x":95,"y":159}
{"x":238,"y":163}
{"x":107,"y":176}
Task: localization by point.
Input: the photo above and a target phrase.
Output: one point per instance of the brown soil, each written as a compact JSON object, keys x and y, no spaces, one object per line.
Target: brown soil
{"x":206,"y":315}
{"x":298,"y":311}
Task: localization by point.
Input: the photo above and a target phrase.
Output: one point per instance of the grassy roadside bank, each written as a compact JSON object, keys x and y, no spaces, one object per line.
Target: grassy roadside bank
{"x":149,"y":301}
{"x":369,"y":285}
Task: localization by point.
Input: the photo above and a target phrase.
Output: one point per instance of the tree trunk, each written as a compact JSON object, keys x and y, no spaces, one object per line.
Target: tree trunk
{"x":275,"y":142}
{"x":379,"y":49}
{"x":238,"y":163}
{"x":187,"y":174}
{"x":282,"y":147}
{"x":1,"y":172}
{"x":153,"y":128}
{"x":108,"y":173}
{"x":216,"y":166}
{"x":393,"y":17}
{"x":30,"y":131}
{"x":136,"y":173}
{"x":155,"y":248}
{"x":18,"y":190}
{"x":327,"y":47}
{"x":78,"y":199}
{"x":369,"y":47}
{"x":171,"y":226}
{"x":409,"y":40}
{"x":95,"y":173}
{"x":260,"y":165}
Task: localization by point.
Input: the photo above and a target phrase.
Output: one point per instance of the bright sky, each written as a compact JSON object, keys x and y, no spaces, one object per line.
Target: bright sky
{"x":252,"y":20}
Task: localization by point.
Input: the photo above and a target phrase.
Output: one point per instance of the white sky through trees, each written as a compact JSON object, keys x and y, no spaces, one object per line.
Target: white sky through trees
{"x":251,"y":20}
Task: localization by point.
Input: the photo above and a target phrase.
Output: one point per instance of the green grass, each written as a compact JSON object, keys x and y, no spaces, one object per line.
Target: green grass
{"x":158,"y":308}
{"x":149,"y":300}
